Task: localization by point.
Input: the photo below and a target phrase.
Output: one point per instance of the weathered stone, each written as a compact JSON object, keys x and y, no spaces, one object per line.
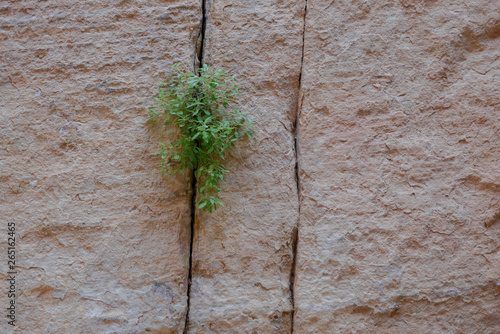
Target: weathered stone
{"x":399,"y":156}
{"x":242,"y":255}
{"x":399,"y":150}
{"x":103,"y":239}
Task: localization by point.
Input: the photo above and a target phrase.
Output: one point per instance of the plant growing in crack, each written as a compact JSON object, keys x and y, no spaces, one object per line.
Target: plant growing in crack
{"x":199,"y":105}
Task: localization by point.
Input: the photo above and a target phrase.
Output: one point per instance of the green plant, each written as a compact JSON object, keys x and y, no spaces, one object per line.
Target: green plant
{"x":199,"y":105}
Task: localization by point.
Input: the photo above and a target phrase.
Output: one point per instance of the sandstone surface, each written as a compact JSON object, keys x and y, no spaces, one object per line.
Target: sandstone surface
{"x":368,"y":202}
{"x":243,"y":253}
{"x":103,"y":239}
{"x":399,"y":167}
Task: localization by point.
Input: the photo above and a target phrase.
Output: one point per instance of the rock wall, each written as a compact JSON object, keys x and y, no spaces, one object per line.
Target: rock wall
{"x":243,"y":254}
{"x":399,"y":167}
{"x":369,"y":201}
{"x":103,"y":239}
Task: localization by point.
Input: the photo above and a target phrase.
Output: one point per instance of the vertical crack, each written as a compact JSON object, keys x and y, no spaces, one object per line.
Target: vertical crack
{"x":295,"y":235}
{"x":198,"y":63}
{"x":200,"y":40}
{"x":190,"y":273}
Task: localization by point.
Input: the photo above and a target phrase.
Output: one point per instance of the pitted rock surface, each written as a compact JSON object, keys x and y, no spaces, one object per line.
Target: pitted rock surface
{"x":376,"y":138}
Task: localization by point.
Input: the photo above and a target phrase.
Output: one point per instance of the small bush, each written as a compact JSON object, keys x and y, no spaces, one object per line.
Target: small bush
{"x":199,"y":105}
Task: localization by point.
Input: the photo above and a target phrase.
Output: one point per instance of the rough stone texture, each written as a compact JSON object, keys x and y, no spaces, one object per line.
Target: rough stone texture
{"x":399,"y":168}
{"x":103,"y":240}
{"x":399,"y":151}
{"x":242,"y":256}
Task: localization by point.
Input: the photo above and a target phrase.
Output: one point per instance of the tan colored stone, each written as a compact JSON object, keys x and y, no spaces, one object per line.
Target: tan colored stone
{"x":398,"y":153}
{"x":242,"y":254}
{"x":399,"y":167}
{"x":103,"y":239}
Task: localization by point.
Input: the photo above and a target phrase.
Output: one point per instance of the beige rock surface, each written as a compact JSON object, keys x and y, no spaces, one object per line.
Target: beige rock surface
{"x":398,"y":156}
{"x":399,"y":165}
{"x":242,"y":254}
{"x":103,"y":240}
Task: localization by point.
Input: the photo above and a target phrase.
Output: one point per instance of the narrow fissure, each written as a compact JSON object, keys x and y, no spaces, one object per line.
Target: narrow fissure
{"x":295,"y":236}
{"x":200,"y":45}
{"x":200,"y":41}
{"x":193,"y":211}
